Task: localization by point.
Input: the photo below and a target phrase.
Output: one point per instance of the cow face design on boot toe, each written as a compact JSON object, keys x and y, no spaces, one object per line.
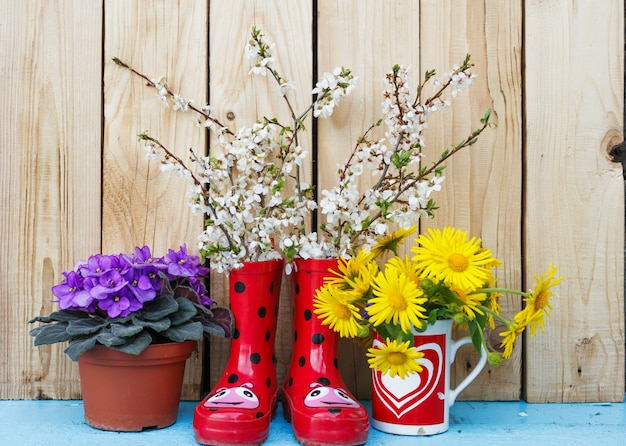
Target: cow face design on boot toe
{"x":241,"y":397}
{"x":326,"y":396}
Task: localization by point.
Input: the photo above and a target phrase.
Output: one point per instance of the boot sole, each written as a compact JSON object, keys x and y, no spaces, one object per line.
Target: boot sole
{"x":307,"y":441}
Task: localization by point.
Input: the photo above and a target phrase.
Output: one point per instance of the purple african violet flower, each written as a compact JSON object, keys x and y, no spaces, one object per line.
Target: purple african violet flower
{"x":142,"y":258}
{"x":109,"y":283}
{"x":198,"y":286}
{"x":86,"y":301}
{"x":179,"y":263}
{"x":205,"y":300}
{"x":144,"y":283}
{"x":120,"y":304}
{"x":143,"y":274}
{"x":97,"y":265}
{"x":121,"y":284}
{"x":71,"y":293}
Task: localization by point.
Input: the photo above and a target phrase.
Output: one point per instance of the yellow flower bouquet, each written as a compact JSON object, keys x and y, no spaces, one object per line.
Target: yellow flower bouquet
{"x":450,"y":276}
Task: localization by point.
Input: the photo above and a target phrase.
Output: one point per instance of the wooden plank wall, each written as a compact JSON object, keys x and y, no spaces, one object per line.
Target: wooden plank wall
{"x":483,"y":189}
{"x":140,"y":204}
{"x":574,"y":113}
{"x":50,"y":170}
{"x":539,"y":188}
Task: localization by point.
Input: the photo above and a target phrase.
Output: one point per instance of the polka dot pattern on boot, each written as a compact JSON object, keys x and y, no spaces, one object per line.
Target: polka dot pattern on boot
{"x":233,"y":378}
{"x":317,"y":338}
{"x":262,"y":312}
{"x":324,"y":381}
{"x":301,"y":361}
{"x":255,"y":358}
{"x":307,"y":315}
{"x":240,"y":287}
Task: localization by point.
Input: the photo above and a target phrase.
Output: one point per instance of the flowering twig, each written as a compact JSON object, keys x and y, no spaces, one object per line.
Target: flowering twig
{"x":164,"y":91}
{"x":242,"y":188}
{"x":154,"y":142}
{"x":353,"y":217}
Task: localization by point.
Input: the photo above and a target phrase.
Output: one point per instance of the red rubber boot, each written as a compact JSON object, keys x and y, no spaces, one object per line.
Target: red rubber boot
{"x":315,"y":398}
{"x":240,"y":407}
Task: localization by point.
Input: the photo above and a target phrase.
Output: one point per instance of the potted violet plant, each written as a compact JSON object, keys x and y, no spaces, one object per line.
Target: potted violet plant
{"x":131,"y":321}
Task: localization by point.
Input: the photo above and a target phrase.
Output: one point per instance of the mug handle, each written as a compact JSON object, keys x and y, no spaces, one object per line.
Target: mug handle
{"x":472,"y":375}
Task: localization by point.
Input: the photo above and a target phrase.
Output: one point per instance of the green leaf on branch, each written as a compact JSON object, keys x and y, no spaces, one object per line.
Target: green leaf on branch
{"x":476,"y":333}
{"x":485,"y":119}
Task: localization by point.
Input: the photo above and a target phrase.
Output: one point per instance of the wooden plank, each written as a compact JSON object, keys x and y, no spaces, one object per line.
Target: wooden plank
{"x":141,"y":204}
{"x":368,"y":37}
{"x":574,"y":212}
{"x":50,"y":194}
{"x":482,"y":190}
{"x":238,"y":100}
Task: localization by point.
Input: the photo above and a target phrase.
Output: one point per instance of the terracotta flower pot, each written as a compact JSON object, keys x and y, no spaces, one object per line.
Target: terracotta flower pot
{"x":126,"y":393}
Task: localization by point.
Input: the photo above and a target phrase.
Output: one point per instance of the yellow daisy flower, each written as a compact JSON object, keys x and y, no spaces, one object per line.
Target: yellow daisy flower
{"x":407,"y":267}
{"x":492,"y":303}
{"x":335,"y":309}
{"x":397,"y":359}
{"x":355,"y":274}
{"x":449,"y":255}
{"x":396,"y":299}
{"x":509,"y":337}
{"x":472,"y":302}
{"x":391,"y":241}
{"x":538,"y":304}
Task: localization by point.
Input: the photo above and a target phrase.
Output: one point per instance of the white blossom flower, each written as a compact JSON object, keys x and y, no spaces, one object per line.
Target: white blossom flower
{"x":285,"y":87}
{"x":330,"y":89}
{"x":180,"y":103}
{"x":161,"y":87}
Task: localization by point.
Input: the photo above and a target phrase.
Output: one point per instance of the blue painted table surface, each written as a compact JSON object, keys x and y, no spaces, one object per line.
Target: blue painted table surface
{"x":52,"y":423}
